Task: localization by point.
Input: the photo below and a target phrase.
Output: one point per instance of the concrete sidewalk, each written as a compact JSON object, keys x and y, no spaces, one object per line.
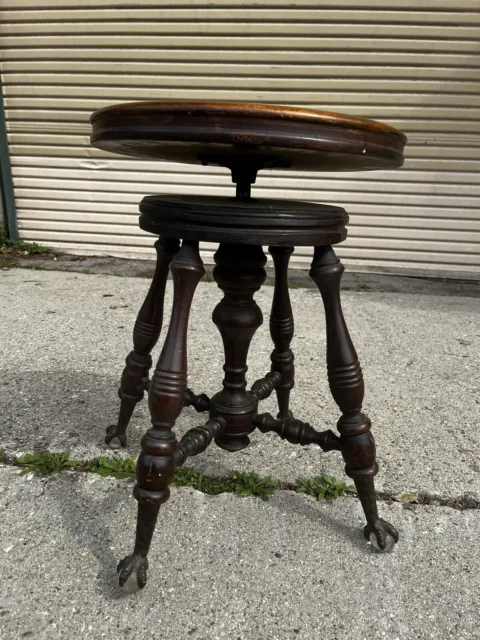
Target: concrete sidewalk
{"x":227,"y":567}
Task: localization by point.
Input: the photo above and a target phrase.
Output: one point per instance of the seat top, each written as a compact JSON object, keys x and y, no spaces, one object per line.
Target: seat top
{"x":227,"y":134}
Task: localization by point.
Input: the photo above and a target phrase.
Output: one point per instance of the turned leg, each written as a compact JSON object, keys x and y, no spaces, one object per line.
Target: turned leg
{"x":281,"y":329}
{"x":346,"y":384}
{"x":145,"y":336}
{"x":166,"y":398}
{"x":239,"y":273}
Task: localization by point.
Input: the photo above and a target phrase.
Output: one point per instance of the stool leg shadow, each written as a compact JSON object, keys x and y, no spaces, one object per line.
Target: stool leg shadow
{"x":306,"y":507}
{"x":81,"y":522}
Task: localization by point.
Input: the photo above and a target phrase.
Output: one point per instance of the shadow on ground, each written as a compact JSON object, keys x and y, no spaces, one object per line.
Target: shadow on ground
{"x":51,"y":409}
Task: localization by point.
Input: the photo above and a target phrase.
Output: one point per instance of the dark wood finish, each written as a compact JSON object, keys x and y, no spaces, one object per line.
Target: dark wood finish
{"x":266,"y":136}
{"x":297,"y":432}
{"x":132,"y":570}
{"x":245,"y":138}
{"x":239,"y":273}
{"x":200,"y":403}
{"x":264,"y":387}
{"x":146,"y":332}
{"x":197,"y":440}
{"x":160,"y":108}
{"x":166,"y":399}
{"x":282,"y":328}
{"x":346,"y":384}
{"x":254,"y":222}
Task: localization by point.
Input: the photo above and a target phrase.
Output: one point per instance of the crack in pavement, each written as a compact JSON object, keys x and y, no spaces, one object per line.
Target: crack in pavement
{"x":460,"y":503}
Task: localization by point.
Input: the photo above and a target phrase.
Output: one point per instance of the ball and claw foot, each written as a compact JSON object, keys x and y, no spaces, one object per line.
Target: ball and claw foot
{"x":132,"y":573}
{"x":115,"y":440}
{"x":382,"y":535}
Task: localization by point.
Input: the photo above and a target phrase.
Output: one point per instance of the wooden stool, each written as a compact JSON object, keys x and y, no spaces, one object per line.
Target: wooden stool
{"x":245,"y":138}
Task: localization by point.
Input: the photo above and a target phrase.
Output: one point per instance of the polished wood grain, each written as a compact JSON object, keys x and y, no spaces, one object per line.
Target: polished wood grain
{"x":268,"y":136}
{"x":245,"y":109}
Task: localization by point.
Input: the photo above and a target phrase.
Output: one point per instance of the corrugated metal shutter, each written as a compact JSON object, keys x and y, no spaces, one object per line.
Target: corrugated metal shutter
{"x":415,"y":66}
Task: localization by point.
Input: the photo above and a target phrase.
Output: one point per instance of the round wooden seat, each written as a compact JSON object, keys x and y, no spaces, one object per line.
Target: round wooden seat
{"x":227,"y":133}
{"x":255,"y":221}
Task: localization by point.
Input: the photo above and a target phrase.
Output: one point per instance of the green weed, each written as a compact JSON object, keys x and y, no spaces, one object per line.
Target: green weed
{"x":46,"y":463}
{"x":184,"y":477}
{"x":251,"y":484}
{"x":30,"y":247}
{"x":118,"y":468}
{"x":323,"y":487}
{"x":8,"y":246}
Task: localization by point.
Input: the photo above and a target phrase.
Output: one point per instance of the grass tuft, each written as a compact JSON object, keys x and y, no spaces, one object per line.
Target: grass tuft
{"x":46,"y":463}
{"x":324,"y":487}
{"x":213,"y":486}
{"x":240,"y":483}
{"x":118,"y":468}
{"x":251,"y":484}
{"x":20,"y":246}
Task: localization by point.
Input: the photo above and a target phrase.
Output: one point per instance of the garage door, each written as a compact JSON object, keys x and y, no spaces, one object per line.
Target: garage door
{"x":415,"y":66}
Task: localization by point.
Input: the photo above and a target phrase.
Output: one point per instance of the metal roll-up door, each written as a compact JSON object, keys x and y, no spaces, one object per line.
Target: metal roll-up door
{"x":415,"y":66}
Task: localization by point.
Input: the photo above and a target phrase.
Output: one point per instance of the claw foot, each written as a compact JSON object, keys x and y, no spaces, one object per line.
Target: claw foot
{"x":132,"y":573}
{"x":382,"y":535}
{"x":115,"y":440}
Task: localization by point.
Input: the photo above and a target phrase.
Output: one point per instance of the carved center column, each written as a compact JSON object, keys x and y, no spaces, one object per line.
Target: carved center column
{"x":239,"y":273}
